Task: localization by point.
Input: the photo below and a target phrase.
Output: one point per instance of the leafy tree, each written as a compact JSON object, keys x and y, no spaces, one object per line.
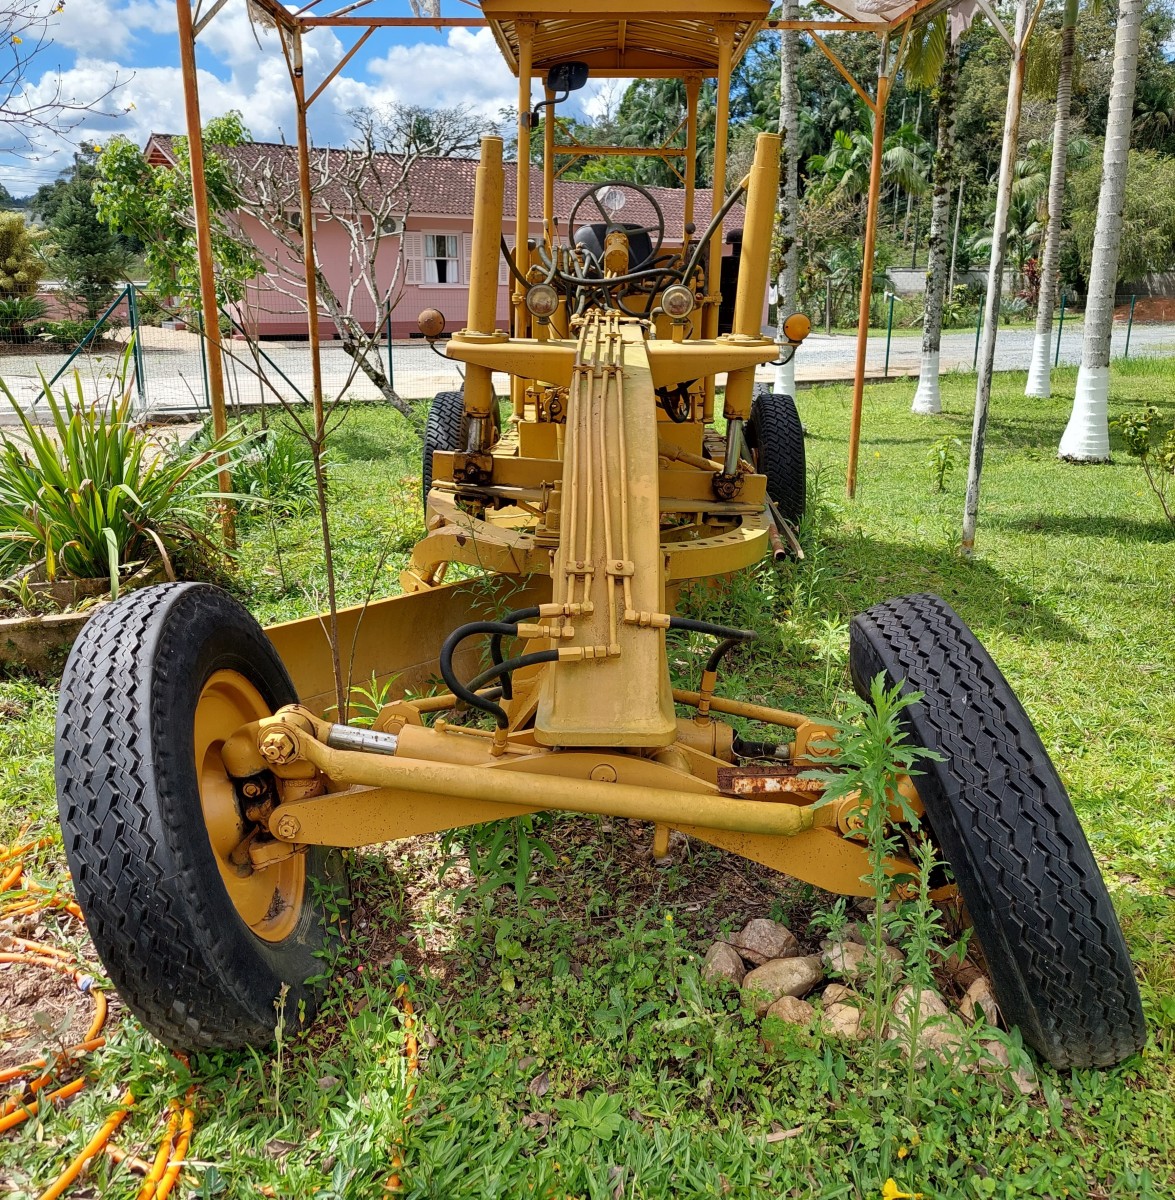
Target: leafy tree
{"x":154,"y":204}
{"x":1148,"y":217}
{"x":22,"y":263}
{"x":86,"y":255}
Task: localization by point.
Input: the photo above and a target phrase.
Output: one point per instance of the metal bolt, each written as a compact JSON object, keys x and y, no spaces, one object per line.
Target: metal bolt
{"x":277,"y":747}
{"x":288,"y":827}
{"x":604,"y":773}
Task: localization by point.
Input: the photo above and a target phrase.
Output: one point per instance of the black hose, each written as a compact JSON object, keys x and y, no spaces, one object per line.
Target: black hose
{"x":469,"y":694}
{"x":504,"y":669}
{"x":720,"y":651}
{"x":748,"y":748}
{"x":721,"y":631}
{"x":714,"y":225}
{"x":511,"y":618}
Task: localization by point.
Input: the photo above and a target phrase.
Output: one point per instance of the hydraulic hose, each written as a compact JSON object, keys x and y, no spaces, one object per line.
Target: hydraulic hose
{"x":469,"y":695}
{"x":504,"y":669}
{"x":511,"y":618}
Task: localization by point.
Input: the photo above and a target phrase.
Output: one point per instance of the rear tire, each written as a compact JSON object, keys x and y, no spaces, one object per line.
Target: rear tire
{"x":776,"y":438}
{"x":1004,"y":823}
{"x":201,"y":954}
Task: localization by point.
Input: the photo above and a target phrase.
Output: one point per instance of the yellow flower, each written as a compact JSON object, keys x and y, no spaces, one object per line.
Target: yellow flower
{"x":902,"y":1152}
{"x":668,"y":918}
{"x":16,"y":41}
{"x":891,"y":1191}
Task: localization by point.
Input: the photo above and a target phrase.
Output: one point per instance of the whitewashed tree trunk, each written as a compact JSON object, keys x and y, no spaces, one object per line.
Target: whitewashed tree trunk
{"x":789,"y":128}
{"x":995,"y":279}
{"x":926,"y":397}
{"x":1039,"y":383}
{"x":1087,"y":436}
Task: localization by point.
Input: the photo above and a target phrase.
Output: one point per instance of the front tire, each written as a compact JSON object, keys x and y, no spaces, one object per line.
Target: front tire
{"x":203,"y":954}
{"x":776,"y":439}
{"x":1004,"y":823}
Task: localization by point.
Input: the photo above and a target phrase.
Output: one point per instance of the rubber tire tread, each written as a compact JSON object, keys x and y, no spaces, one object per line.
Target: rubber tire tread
{"x":128,"y":797}
{"x":445,"y":429}
{"x":775,"y":433}
{"x":1004,"y":822}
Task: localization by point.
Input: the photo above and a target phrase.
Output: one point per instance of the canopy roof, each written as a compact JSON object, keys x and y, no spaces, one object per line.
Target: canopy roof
{"x":638,"y":37}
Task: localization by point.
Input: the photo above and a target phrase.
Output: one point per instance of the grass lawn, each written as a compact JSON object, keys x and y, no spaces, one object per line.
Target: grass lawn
{"x":568,"y":1048}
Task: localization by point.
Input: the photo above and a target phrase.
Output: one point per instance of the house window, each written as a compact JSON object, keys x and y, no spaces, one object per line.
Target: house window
{"x":441,"y":264}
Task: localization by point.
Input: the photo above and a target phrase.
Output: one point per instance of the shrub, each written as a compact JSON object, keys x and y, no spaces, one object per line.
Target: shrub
{"x":1154,"y":447}
{"x":68,"y":333}
{"x":278,"y":471}
{"x":16,"y":313}
{"x":92,"y":494}
{"x":22,"y":265}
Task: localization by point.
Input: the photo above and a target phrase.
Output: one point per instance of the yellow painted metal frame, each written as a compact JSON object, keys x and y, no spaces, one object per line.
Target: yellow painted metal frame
{"x":573,"y":530}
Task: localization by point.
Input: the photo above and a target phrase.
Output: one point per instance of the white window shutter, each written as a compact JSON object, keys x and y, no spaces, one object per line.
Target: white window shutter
{"x":413,"y":258}
{"x":503,"y":267}
{"x":466,"y":257}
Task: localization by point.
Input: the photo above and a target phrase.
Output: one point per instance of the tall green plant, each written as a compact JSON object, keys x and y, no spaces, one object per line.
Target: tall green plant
{"x":91,"y":493}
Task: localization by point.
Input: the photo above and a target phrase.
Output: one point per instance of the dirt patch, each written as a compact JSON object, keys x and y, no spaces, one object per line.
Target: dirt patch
{"x":41,"y":349}
{"x":43,"y":1011}
{"x":1148,"y":309}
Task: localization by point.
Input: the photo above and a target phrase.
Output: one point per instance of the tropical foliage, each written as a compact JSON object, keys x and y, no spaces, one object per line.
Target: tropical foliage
{"x":92,"y":493}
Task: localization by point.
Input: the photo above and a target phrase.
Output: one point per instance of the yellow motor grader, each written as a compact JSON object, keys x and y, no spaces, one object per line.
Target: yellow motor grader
{"x":205,"y":791}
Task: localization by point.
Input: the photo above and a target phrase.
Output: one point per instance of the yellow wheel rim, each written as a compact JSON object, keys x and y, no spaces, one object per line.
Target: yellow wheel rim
{"x":269,"y":901}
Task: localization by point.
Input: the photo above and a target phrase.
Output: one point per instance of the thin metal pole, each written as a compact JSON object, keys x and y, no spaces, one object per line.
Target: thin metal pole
{"x":828,"y":307}
{"x":978,"y":331}
{"x":955,"y":243}
{"x":1130,"y":325}
{"x":888,"y":334}
{"x":83,"y":343}
{"x":391,"y":368}
{"x":693,"y":88}
{"x":867,"y":270}
{"x":1060,"y":330}
{"x":132,"y":304}
{"x":995,"y":278}
{"x":309,"y":262}
{"x":214,"y":362}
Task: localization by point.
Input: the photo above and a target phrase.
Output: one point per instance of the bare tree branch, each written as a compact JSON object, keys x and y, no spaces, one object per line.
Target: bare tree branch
{"x":30,"y":112}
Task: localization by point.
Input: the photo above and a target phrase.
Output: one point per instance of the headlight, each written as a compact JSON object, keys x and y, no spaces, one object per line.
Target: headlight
{"x":541,"y":300}
{"x":677,"y":301}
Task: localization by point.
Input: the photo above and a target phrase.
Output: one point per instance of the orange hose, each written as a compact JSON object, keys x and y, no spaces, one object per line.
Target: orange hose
{"x":131,"y":1161}
{"x":147,"y":1191}
{"x":9,"y":881}
{"x":96,"y":1143}
{"x":20,"y":851}
{"x":13,"y":1119}
{"x":39,"y":1064}
{"x":179,"y":1154}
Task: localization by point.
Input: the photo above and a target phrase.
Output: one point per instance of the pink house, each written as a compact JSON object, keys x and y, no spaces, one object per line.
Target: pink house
{"x":435,"y":238}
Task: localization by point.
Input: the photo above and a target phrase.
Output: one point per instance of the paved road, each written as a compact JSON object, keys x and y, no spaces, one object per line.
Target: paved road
{"x":174,"y":371}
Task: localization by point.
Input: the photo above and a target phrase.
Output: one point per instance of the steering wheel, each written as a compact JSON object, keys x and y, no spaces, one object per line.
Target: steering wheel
{"x":595,"y":196}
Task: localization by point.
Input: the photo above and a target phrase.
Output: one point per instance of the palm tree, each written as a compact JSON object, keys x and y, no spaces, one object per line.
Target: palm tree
{"x":1087,"y":435}
{"x":1154,"y":114}
{"x":934,"y":55}
{"x":787,"y":282}
{"x":846,"y":165}
{"x":1039,"y":383}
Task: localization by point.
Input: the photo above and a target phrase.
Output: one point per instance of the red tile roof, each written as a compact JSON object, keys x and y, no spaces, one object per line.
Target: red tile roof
{"x":438,"y":186}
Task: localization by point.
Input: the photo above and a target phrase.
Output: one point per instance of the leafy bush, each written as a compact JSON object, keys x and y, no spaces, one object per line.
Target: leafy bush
{"x":1154,"y":447}
{"x":92,"y":494}
{"x":22,"y":265}
{"x":1013,"y":308}
{"x":68,"y":333}
{"x":278,"y":471}
{"x":16,"y":313}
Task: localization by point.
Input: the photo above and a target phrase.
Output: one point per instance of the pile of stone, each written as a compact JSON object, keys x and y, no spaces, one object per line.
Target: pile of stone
{"x":765,"y":960}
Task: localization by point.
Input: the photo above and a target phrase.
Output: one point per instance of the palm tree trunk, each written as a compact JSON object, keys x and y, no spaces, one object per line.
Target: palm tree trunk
{"x":1039,"y":383}
{"x":789,"y":128}
{"x":1087,"y":436}
{"x":926,"y":397}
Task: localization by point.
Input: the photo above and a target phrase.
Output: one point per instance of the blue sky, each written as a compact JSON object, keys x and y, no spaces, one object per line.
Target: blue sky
{"x":97,"y":41}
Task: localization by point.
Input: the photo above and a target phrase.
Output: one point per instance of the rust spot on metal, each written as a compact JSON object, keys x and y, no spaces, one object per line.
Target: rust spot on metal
{"x":767,"y":780}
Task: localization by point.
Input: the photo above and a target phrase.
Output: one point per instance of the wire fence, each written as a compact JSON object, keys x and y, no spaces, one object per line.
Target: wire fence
{"x":168,"y":368}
